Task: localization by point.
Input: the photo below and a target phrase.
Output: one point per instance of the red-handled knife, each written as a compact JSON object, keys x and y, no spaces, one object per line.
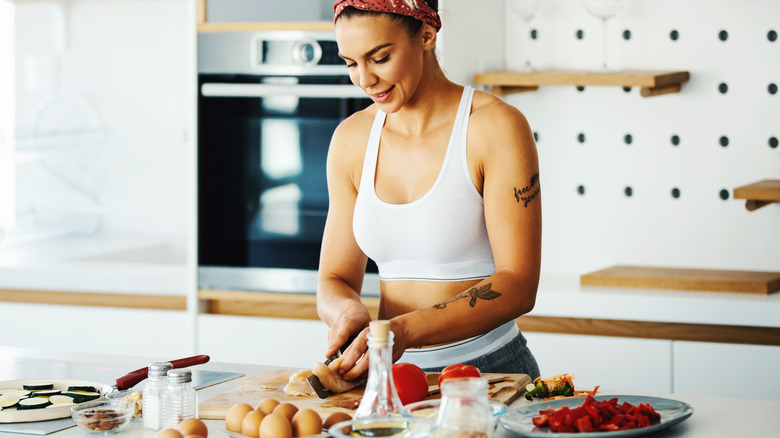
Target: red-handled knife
{"x":132,"y":378}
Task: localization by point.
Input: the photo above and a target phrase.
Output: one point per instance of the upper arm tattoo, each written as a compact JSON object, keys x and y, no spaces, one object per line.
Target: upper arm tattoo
{"x":529,"y":192}
{"x":482,"y":293}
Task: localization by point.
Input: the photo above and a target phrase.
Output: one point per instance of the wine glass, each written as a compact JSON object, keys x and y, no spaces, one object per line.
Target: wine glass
{"x":526,"y":10}
{"x":603,"y":9}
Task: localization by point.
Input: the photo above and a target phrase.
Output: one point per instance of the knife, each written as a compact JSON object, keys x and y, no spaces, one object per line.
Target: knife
{"x":133,"y":377}
{"x":314,"y":381}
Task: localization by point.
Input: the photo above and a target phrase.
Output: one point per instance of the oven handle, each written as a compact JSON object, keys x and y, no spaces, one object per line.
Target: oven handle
{"x":264,"y":90}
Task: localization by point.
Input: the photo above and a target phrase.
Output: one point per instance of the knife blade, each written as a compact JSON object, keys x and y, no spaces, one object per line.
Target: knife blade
{"x":133,"y":377}
{"x":314,"y":381}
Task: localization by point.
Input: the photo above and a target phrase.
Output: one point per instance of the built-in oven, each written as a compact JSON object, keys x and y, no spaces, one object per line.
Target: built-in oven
{"x":268,"y":104}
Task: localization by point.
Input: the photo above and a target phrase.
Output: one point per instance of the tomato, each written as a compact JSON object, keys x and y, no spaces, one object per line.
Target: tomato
{"x":458,"y":370}
{"x":410,"y":381}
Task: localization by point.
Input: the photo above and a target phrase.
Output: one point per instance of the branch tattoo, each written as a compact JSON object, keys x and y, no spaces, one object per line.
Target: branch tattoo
{"x":529,"y":192}
{"x":474,"y":294}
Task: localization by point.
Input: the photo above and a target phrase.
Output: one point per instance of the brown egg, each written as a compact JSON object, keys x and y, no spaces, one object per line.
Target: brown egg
{"x":251,"y":425}
{"x":169,"y":433}
{"x":235,"y":416}
{"x":193,"y":426}
{"x":336,"y":417}
{"x":268,"y":405}
{"x":306,"y":422}
{"x":286,"y":409}
{"x":275,"y":426}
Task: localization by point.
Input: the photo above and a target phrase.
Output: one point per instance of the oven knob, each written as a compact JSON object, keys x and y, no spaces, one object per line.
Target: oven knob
{"x":307,"y":52}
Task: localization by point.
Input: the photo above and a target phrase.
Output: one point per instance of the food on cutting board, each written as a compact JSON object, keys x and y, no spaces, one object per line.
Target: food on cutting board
{"x":44,"y":395}
{"x":410,"y":382}
{"x":597,"y":416}
{"x":555,"y":387}
{"x":330,"y":378}
{"x":458,"y":370}
{"x":190,"y":427}
{"x":297,"y":386}
{"x":136,"y":399}
{"x":256,"y":423}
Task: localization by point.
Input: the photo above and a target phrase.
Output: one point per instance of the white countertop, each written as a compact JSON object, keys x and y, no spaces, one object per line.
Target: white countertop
{"x":712,"y":417}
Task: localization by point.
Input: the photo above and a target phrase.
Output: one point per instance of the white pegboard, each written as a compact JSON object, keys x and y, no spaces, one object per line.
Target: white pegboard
{"x":699,"y":229}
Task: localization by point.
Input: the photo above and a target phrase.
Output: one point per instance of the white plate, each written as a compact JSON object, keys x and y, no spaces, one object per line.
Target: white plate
{"x":672,"y":412}
{"x":17,"y":416}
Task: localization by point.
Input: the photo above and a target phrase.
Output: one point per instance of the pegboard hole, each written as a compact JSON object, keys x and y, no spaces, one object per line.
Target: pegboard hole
{"x":581,"y":190}
{"x":724,"y":141}
{"x":771,"y":36}
{"x":675,"y":193}
{"x":674,"y":35}
{"x":723,"y":35}
{"x":581,"y":137}
{"x":723,"y":88}
{"x":627,"y":89}
{"x":628,"y":191}
{"x":772,"y":88}
{"x":580,"y":34}
{"x":773,"y":142}
{"x":580,"y":88}
{"x":675,"y":140}
{"x":534,"y":34}
{"x":626,"y":34}
{"x":628,"y":139}
{"x":536,"y":137}
{"x":724,"y":194}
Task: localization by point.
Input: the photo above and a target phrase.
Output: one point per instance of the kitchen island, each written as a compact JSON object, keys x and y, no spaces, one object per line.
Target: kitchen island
{"x":712,"y":417}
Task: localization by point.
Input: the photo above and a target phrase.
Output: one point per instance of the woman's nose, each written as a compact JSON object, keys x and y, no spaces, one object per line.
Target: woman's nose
{"x":367,"y":77}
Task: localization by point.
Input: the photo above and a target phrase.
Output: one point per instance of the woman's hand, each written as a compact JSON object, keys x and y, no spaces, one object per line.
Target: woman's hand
{"x":350,"y":321}
{"x":355,"y":364}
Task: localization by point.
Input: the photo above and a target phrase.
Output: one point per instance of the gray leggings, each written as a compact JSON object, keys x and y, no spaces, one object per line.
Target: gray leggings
{"x":513,"y":357}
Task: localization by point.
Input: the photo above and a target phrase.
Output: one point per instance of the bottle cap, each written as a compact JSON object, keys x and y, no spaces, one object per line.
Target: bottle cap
{"x":179,"y":375}
{"x":159,"y":369}
{"x":379,"y":329}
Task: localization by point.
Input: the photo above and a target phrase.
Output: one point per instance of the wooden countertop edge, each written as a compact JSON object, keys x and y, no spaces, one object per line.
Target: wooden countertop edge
{"x":304,"y":306}
{"x":95,"y":299}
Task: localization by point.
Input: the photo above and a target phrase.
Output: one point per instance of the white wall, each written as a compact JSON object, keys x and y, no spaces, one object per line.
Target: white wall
{"x":132,"y":59}
{"x":699,"y":229}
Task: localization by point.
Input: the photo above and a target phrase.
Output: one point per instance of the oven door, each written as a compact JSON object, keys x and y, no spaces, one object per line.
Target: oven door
{"x":262,"y":190}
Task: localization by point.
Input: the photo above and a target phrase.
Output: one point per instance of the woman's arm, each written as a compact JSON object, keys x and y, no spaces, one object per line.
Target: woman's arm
{"x":342,"y":263}
{"x":507,"y":172}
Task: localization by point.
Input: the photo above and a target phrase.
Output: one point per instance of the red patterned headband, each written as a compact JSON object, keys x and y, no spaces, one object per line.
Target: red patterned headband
{"x":424,"y":13}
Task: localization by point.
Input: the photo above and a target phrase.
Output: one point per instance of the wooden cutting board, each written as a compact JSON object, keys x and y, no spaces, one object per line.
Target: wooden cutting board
{"x":270,"y":384}
{"x":753,"y":282}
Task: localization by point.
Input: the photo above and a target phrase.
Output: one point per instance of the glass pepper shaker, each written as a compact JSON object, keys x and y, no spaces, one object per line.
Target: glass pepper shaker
{"x":151,"y":395}
{"x":179,"y":401}
{"x":380,"y":397}
{"x":464,"y":410}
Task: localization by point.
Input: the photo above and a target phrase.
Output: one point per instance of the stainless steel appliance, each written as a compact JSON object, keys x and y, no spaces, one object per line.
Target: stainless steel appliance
{"x":267,"y":107}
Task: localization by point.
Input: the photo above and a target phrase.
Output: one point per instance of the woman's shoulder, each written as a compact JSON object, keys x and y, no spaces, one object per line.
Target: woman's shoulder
{"x":493,"y":119}
{"x":355,"y":129}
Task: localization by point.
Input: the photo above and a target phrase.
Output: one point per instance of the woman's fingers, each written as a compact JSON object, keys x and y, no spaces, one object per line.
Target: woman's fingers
{"x":355,"y":361}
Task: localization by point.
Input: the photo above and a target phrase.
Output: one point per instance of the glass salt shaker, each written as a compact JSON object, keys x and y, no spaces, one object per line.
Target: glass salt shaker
{"x":380,"y":397}
{"x":464,"y":410}
{"x":179,"y":401}
{"x":151,"y":395}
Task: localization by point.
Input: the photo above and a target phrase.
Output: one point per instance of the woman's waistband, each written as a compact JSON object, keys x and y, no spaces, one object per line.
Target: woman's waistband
{"x":461,"y":351}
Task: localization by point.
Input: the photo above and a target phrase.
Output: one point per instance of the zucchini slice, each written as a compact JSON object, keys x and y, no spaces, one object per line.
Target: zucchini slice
{"x":33,"y":403}
{"x":8,"y":401}
{"x":46,"y":393}
{"x":38,"y":386}
{"x":82,"y":396}
{"x":60,"y":399}
{"x":21,"y":393}
{"x":82,"y":388}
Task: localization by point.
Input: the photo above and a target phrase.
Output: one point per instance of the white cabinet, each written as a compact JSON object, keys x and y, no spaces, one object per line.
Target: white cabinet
{"x":613,"y":363}
{"x":103,"y":330}
{"x":727,"y":370}
{"x":288,"y":343}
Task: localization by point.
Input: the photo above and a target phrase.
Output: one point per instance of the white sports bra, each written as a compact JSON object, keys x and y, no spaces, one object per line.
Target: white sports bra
{"x":439,"y":237}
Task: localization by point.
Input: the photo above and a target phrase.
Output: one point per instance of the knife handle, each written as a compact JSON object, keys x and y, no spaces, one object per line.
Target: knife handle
{"x":133,"y":377}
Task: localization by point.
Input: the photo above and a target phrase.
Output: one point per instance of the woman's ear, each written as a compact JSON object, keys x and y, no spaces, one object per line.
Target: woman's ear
{"x":428,"y":36}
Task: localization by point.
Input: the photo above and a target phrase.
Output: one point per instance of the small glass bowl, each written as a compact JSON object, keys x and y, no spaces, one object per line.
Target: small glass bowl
{"x":103,"y":417}
{"x":385,"y":426}
{"x":430,"y":409}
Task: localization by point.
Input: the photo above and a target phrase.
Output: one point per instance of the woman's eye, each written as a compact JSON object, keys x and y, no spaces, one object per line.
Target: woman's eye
{"x":383,"y":60}
{"x":351,"y":64}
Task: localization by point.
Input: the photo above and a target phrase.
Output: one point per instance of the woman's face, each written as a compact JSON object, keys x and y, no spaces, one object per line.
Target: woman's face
{"x":381,"y":58}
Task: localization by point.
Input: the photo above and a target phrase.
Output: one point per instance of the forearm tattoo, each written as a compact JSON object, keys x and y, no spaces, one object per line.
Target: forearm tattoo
{"x":481,"y":293}
{"x":529,"y":192}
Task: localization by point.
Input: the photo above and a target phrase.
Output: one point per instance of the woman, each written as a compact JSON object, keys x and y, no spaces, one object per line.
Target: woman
{"x":439,"y":185}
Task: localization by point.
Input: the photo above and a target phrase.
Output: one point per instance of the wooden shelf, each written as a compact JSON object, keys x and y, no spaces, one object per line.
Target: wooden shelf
{"x":759,"y":193}
{"x":652,"y":83}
